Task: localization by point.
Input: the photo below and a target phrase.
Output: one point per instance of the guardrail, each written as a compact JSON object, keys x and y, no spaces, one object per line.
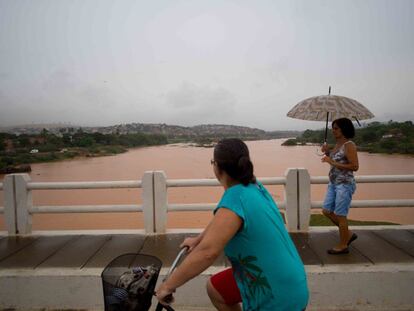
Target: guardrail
{"x":162,"y":207}
{"x":370,"y":179}
{"x":18,"y":204}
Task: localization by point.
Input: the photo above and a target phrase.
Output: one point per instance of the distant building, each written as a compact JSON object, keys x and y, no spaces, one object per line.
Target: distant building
{"x":395,"y":135}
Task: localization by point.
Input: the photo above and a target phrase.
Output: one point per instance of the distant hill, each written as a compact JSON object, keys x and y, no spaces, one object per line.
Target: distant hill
{"x":35,"y":128}
{"x":171,"y":131}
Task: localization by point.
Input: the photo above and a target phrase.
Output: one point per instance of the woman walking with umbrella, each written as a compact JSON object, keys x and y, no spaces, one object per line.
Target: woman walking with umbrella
{"x":343,"y":159}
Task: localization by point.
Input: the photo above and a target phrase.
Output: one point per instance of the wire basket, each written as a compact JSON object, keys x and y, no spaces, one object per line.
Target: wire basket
{"x":129,"y":282}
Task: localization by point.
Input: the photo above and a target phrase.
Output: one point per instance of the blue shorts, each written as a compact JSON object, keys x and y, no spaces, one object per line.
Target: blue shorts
{"x":338,"y":198}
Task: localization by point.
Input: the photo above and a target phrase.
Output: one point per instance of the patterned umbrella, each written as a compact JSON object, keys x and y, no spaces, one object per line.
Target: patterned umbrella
{"x":328,"y":108}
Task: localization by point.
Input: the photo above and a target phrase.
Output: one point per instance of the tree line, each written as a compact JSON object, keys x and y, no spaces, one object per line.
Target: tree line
{"x":375,"y":137}
{"x":22,"y":149}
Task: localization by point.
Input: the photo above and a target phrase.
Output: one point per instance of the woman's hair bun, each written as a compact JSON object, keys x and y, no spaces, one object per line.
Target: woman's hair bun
{"x":245,"y":170}
{"x":232,"y":156}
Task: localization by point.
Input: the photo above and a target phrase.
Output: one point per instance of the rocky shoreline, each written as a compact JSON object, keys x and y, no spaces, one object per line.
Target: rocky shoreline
{"x":23,"y":168}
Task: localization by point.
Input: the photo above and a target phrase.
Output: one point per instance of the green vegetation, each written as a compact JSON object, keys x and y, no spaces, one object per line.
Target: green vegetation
{"x":317,"y":220}
{"x":376,"y":137}
{"x":390,"y":137}
{"x":70,"y":142}
{"x":292,"y":142}
{"x":46,"y":147}
{"x":320,"y":220}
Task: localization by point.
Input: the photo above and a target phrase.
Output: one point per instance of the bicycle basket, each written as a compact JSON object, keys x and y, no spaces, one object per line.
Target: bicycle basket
{"x":129,"y":281}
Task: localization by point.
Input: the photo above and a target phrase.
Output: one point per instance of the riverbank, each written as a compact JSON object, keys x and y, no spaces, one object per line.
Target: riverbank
{"x":370,"y":148}
{"x":17,"y":162}
{"x":49,"y":147}
{"x":389,"y":138}
{"x":375,"y":138}
{"x":20,"y":161}
{"x":24,"y":168}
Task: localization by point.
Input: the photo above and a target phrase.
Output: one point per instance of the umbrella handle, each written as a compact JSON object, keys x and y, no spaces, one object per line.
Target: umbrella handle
{"x":326,"y":125}
{"x":327,"y":117}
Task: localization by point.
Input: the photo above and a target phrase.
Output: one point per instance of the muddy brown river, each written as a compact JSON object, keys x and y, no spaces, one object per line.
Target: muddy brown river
{"x":183,"y":161}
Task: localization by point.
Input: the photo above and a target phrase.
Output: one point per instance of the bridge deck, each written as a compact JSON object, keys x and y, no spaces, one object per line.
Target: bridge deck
{"x":96,"y":251}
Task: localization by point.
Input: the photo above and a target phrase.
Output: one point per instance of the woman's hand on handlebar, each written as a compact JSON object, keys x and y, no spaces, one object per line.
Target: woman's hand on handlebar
{"x":190,"y":242}
{"x":165,"y":294}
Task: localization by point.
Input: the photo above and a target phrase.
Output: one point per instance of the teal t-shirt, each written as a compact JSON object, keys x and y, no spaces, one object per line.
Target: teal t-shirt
{"x":266,"y":265}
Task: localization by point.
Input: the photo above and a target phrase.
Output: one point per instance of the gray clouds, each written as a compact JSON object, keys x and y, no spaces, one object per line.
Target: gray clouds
{"x":193,"y":103}
{"x":103,"y":62}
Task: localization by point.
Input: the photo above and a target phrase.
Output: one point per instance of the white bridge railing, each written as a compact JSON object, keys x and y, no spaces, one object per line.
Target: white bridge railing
{"x":18,"y":204}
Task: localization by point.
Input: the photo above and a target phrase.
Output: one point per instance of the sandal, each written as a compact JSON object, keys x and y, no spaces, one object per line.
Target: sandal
{"x":352,"y":239}
{"x":333,"y":251}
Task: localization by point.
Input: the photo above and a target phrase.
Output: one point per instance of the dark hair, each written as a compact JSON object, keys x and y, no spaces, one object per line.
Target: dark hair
{"x":346,"y":126}
{"x":232,"y":156}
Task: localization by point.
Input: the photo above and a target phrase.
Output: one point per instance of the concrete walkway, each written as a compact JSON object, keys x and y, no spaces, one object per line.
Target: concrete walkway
{"x":63,"y":271}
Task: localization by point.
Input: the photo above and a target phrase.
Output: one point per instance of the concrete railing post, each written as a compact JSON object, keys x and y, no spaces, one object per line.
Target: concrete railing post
{"x":24,"y":203}
{"x":10,"y":204}
{"x":291,"y":199}
{"x":304,"y":204}
{"x":148,"y":201}
{"x":160,"y":201}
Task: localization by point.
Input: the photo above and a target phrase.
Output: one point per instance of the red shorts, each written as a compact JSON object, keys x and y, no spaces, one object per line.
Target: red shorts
{"x":226,"y":285}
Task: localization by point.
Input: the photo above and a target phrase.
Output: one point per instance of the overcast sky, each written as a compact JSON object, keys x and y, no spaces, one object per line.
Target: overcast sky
{"x":103,"y":62}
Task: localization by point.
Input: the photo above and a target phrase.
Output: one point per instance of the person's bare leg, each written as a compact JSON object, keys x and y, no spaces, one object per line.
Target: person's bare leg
{"x":344,"y":233}
{"x":218,"y":301}
{"x":331,"y":216}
